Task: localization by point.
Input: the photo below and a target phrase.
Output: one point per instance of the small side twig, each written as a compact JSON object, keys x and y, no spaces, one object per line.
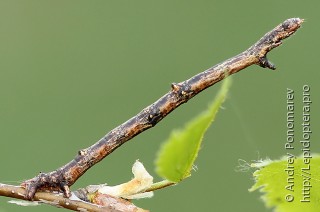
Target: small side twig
{"x":180,"y":93}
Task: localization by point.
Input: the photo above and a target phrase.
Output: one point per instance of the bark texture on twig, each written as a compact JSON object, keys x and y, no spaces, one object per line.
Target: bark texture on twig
{"x":180,"y":93}
{"x":114,"y":204}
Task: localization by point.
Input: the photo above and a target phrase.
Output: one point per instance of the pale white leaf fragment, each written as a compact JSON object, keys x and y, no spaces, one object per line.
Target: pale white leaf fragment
{"x":135,"y":188}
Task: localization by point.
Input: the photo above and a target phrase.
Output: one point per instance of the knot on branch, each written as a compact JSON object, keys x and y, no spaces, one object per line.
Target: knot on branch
{"x":154,"y":116}
{"x":182,"y":91}
{"x":53,"y":181}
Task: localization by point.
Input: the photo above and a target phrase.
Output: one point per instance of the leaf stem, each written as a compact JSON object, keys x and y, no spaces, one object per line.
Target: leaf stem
{"x":160,"y":185}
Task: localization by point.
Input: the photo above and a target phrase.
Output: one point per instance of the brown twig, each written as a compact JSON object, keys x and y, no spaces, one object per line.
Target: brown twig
{"x":180,"y":93}
{"x":114,"y":204}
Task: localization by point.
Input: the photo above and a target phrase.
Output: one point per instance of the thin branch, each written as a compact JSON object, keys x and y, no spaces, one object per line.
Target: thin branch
{"x":55,"y":199}
{"x":180,"y":93}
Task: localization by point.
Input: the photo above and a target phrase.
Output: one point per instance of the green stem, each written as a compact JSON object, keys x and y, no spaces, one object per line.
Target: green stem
{"x":160,"y":185}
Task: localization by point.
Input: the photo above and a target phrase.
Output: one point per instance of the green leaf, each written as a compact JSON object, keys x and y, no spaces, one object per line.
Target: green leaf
{"x":177,"y":154}
{"x":289,"y":186}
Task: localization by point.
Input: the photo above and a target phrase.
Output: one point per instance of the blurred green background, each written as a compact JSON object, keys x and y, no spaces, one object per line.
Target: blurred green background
{"x":70,"y":71}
